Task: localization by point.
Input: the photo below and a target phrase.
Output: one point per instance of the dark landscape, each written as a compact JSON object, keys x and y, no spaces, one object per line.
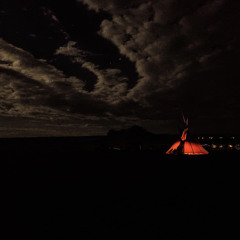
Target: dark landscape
{"x":119,"y":119}
{"x":61,"y":188}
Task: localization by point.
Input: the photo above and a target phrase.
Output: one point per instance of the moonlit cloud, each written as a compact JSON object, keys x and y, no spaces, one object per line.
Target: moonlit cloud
{"x":111,"y":86}
{"x":28,"y":84}
{"x":144,"y":42}
{"x":111,"y":6}
{"x":71,"y":50}
{"x":103,"y":64}
{"x":170,"y":42}
{"x":33,"y":89}
{"x":24,"y":63}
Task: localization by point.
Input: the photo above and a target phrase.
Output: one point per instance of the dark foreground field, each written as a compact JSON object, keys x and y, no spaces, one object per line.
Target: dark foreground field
{"x":65,"y":192}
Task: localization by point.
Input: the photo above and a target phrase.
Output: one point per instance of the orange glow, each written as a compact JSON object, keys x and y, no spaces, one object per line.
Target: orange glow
{"x":173,"y":147}
{"x":184,"y":134}
{"x":189,"y":148}
{"x":186,"y":147}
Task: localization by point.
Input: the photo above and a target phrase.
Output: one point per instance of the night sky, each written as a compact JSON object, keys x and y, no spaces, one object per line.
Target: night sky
{"x":82,"y":67}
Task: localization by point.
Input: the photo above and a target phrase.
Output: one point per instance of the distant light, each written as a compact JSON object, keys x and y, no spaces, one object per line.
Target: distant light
{"x":203,"y":137}
{"x":237,"y":146}
{"x":198,"y":138}
{"x":116,"y":148}
{"x":220,"y":137}
{"x":232,"y":137}
{"x":220,"y":146}
{"x":214,"y":146}
{"x":210,"y":137}
{"x":230,"y":146}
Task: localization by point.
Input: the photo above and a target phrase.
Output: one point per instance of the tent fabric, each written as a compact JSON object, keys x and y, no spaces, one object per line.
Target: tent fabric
{"x":185,"y":146}
{"x":188,"y":148}
{"x":184,"y":134}
{"x":191,"y":148}
{"x":173,"y":148}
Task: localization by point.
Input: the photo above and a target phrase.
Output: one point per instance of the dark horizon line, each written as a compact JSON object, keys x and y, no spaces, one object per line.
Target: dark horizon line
{"x":153,"y":134}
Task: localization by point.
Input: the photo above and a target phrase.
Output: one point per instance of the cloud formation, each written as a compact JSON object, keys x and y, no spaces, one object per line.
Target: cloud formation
{"x":185,"y":55}
{"x":173,"y":45}
{"x":71,"y":50}
{"x":111,"y":86}
{"x":32,"y":87}
{"x":35,"y":90}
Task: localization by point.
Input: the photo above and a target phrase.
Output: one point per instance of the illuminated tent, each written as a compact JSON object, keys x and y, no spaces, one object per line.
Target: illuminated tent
{"x":184,"y":146}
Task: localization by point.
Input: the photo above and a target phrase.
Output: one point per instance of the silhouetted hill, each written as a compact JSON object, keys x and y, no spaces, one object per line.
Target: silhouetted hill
{"x":130,"y":133}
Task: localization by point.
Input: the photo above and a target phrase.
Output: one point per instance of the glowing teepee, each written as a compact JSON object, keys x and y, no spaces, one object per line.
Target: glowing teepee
{"x":184,"y":146}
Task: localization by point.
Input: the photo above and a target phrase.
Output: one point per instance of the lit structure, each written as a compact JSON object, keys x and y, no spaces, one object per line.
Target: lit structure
{"x":214,"y":146}
{"x":185,"y":146}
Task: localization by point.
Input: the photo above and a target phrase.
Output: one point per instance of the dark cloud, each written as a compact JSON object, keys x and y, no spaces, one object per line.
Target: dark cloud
{"x":120,"y":63}
{"x":110,"y":87}
{"x":114,"y":7}
{"x":177,"y":47}
{"x":35,"y":90}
